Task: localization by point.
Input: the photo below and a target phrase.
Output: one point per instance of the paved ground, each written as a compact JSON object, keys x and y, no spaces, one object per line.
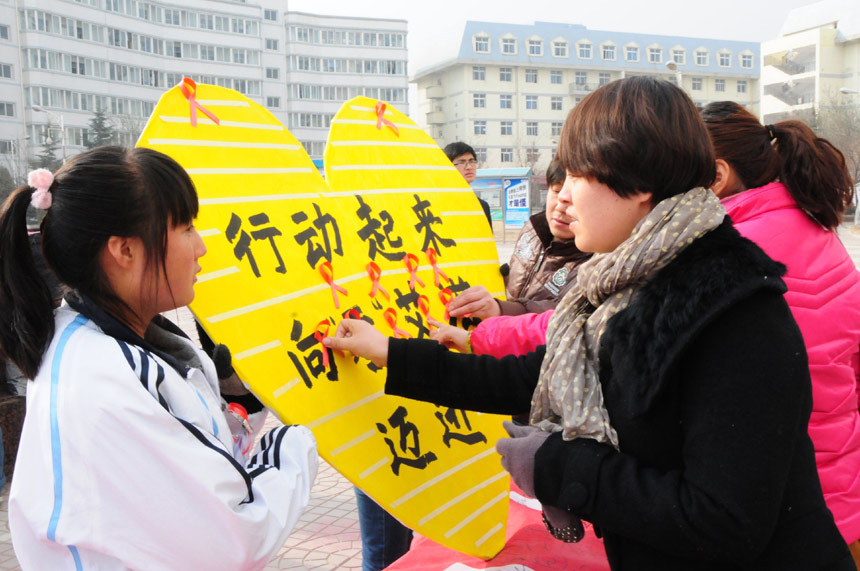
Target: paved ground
{"x":327,"y":536}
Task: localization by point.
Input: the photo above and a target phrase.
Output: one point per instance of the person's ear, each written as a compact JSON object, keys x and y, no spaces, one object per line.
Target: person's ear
{"x":721,"y":182}
{"x":124,"y":251}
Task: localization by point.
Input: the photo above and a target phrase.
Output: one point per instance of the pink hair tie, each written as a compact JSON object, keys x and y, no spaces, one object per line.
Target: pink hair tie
{"x":40,"y":180}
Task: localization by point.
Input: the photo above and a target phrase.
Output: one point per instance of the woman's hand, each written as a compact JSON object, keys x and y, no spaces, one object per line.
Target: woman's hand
{"x":448,"y":335}
{"x":474,"y":302}
{"x":361,"y":339}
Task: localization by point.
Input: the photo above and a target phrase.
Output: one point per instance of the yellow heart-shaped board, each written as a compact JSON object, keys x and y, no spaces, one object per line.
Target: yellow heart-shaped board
{"x":394,"y":234}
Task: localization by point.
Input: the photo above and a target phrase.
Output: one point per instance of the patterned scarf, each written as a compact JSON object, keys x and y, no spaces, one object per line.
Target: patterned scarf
{"x":568,"y":396}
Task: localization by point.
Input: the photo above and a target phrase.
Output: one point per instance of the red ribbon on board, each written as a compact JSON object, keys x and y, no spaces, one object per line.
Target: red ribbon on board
{"x":321,"y":333}
{"x":437,"y":273}
{"x":374,"y":272}
{"x":390,"y":316}
{"x":381,"y":120}
{"x":328,"y":275}
{"x":424,"y":306}
{"x":445,"y":296}
{"x":411,"y":261}
{"x":189,"y":90}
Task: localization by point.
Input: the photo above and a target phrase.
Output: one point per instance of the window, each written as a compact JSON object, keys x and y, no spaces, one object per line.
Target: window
{"x":608,"y":52}
{"x":679,"y":56}
{"x":584,"y":50}
{"x":7,"y":147}
{"x":746,"y":61}
{"x":271,"y":15}
{"x":742,"y":86}
{"x":479,"y":100}
{"x":559,"y":49}
{"x":505,"y":101}
{"x":555,"y":77}
{"x":555,"y":129}
{"x":272,"y":73}
{"x":6,"y":70}
{"x":507,"y":154}
{"x":655,"y":55}
{"x":273,"y":102}
{"x":480,"y":128}
{"x":507,"y":128}
{"x":482,"y":44}
{"x":531,"y":101}
{"x":531,"y":129}
{"x":531,"y":76}
{"x":172,"y":17}
{"x":505,"y":74}
{"x":701,"y":57}
{"x":481,"y":154}
{"x":724,"y":59}
{"x":4,"y":32}
{"x":719,"y":85}
{"x":580,"y":77}
{"x":271,"y":44}
{"x":631,"y":53}
{"x":535,"y":47}
{"x":555,"y":103}
{"x":532,"y":155}
{"x":509,"y":46}
{"x":697,"y":84}
{"x":603,"y":78}
{"x":7,"y":109}
{"x":479,"y":72}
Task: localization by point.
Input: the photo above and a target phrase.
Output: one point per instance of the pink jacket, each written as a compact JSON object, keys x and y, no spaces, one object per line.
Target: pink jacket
{"x":510,"y":334}
{"x":824,"y":297}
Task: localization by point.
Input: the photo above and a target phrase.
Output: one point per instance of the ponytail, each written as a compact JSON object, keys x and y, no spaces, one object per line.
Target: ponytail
{"x":814,"y":171}
{"x":26,"y":303}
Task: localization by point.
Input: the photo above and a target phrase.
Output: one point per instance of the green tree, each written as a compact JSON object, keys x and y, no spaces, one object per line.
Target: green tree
{"x":101,"y":132}
{"x":47,"y":159}
{"x":7,"y":184}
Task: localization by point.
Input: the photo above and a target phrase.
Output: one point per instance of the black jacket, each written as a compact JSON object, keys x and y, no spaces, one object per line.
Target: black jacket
{"x":705,"y":379}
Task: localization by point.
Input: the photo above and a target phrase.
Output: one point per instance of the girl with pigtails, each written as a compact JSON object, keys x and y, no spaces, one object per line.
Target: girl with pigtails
{"x":131,"y":454}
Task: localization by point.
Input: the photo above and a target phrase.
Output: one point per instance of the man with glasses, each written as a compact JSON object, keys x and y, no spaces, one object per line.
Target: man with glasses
{"x":464,"y":158}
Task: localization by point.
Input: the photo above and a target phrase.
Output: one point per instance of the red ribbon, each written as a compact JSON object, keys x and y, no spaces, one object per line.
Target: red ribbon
{"x":328,"y":275}
{"x":381,"y":120}
{"x":320,"y":334}
{"x":445,"y":296}
{"x":424,"y":306}
{"x":189,"y":90}
{"x":390,"y":316}
{"x":374,"y":272}
{"x":411,"y":261}
{"x":437,"y":273}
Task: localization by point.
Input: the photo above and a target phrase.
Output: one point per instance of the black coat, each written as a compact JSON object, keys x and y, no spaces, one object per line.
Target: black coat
{"x":705,"y":379}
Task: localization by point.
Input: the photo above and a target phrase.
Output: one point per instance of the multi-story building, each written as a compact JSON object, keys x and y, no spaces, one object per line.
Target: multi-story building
{"x":816,"y":56}
{"x":509,"y":89}
{"x":61,"y":60}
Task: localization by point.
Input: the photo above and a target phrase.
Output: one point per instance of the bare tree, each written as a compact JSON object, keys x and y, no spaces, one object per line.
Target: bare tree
{"x":840,"y":124}
{"x":128,"y":129}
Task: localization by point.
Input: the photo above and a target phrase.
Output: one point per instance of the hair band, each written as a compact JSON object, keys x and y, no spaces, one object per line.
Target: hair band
{"x":40,"y":180}
{"x":771,"y":131}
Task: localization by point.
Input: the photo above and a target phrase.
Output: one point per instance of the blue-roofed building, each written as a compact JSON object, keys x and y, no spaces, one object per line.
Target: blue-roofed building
{"x":510,"y":86}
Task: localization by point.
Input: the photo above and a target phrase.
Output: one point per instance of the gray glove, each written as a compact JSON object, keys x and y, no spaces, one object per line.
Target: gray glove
{"x":518,"y":454}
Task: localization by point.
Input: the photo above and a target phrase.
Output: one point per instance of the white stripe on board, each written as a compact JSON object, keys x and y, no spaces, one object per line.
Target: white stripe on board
{"x":449,"y":472}
{"x":383,"y":144}
{"x":368,"y":109}
{"x":391,"y":167}
{"x":370,"y":191}
{"x":256,"y":350}
{"x":370,"y":122}
{"x":347,"y":409}
{"x":474,"y":240}
{"x":222,"y":103}
{"x":216,"y":274}
{"x":230,"y":144}
{"x":462,"y":213}
{"x":493,"y":531}
{"x":283,"y":389}
{"x":357,"y":440}
{"x":475,"y":514}
{"x":207,"y":121}
{"x":374,"y":468}
{"x":209,"y":232}
{"x":241,"y":199}
{"x":265,"y":303}
{"x":229,"y":170}
{"x":456,"y":500}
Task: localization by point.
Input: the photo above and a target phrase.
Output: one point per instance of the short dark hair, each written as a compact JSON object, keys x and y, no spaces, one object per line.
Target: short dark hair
{"x":638,"y":134}
{"x":106,"y":191}
{"x":457,"y":149}
{"x":555,"y":173}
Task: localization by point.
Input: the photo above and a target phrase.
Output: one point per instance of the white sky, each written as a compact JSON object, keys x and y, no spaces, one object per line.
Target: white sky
{"x":436,"y":26}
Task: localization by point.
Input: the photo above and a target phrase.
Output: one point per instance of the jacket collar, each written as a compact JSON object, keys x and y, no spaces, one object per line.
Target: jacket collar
{"x":548,"y":241}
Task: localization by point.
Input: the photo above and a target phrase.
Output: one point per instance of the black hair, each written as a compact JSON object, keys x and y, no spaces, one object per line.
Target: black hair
{"x":454,"y":150}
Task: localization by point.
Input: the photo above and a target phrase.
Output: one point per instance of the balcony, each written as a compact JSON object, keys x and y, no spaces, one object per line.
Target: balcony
{"x":435,"y":92}
{"x":436,"y":118}
{"x":582,"y":88}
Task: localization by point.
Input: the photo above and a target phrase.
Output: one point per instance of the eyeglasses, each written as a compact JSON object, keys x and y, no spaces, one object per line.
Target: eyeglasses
{"x":467,"y":162}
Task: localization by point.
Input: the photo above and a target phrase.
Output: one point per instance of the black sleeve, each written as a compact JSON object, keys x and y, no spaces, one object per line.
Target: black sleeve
{"x":424,"y":370}
{"x":744,"y":403}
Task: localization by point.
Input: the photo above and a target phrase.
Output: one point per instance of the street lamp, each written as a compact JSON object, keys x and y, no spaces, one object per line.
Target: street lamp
{"x":672,"y":66}
{"x":59,"y":118}
{"x":848,"y":91}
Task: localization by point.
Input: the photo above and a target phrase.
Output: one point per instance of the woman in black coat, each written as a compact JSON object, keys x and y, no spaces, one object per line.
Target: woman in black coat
{"x":670,"y":404}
